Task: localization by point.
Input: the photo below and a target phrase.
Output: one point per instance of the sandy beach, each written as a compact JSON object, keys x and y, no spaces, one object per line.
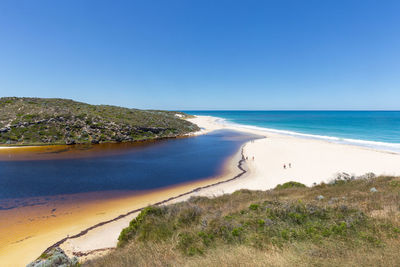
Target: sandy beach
{"x":36,"y":227}
{"x":312,"y":161}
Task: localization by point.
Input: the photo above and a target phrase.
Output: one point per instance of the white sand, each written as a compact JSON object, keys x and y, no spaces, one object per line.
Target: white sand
{"x":16,"y":147}
{"x":101,"y":239}
{"x":311,"y":160}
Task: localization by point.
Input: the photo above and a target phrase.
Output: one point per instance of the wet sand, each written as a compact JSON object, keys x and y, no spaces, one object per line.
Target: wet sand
{"x":313,"y":161}
{"x":29,"y":230}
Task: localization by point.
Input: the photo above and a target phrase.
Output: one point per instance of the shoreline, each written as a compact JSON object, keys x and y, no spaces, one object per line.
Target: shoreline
{"x":98,"y":214}
{"x":313,"y":161}
{"x":254,"y":178}
{"x":162,"y":202}
{"x":100,"y":143}
{"x":98,"y":241}
{"x":379,"y":146}
{"x":13,"y":147}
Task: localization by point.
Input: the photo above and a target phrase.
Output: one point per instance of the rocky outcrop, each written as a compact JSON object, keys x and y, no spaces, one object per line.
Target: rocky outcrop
{"x":54,"y":258}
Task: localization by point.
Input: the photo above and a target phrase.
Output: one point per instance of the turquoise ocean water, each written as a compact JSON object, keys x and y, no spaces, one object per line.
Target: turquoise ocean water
{"x":374,"y":129}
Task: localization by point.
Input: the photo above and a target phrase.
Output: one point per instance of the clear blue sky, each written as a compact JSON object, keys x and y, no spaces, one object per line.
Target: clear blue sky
{"x":204,"y":54}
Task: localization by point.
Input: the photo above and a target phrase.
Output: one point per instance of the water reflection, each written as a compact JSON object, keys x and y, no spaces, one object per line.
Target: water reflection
{"x":141,"y":166}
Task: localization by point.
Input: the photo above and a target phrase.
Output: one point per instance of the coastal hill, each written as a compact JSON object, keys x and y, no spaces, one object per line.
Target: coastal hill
{"x":45,"y":121}
{"x":347,"y":222}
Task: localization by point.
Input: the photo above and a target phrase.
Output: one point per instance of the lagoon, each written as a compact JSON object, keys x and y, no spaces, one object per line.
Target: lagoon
{"x":142,"y":166}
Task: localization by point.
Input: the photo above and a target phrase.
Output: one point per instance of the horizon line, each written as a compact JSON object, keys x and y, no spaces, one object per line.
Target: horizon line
{"x":396,"y":110}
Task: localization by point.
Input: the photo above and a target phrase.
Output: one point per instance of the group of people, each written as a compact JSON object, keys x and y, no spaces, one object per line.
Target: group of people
{"x":288,"y":166}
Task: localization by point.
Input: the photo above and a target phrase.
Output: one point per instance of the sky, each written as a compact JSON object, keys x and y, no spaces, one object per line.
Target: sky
{"x":204,"y":54}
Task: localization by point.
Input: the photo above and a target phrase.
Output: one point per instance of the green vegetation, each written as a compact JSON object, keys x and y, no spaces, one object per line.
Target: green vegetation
{"x":282,"y":227}
{"x":290,"y":184}
{"x":39,"y":121}
{"x":44,"y":256}
{"x":55,"y":257}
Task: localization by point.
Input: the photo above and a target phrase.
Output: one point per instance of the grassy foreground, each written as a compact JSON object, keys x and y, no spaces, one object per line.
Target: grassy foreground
{"x":50,"y":121}
{"x":336,"y":224}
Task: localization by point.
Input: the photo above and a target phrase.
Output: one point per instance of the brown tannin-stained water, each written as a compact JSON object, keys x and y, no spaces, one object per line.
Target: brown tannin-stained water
{"x":48,"y":193}
{"x":59,"y":170}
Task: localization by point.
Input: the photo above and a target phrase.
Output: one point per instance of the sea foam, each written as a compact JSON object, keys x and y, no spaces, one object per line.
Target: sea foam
{"x":382,"y":146}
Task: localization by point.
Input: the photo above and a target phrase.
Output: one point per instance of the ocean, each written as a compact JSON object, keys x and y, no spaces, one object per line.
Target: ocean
{"x":373,"y":129}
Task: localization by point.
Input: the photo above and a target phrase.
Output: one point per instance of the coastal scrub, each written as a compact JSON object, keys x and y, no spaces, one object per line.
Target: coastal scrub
{"x":50,"y":121}
{"x":350,"y":226}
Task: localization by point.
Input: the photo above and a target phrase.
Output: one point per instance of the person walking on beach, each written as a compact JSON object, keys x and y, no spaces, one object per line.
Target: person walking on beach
{"x":284,"y":166}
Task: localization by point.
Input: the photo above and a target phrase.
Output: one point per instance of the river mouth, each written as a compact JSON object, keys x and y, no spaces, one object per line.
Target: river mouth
{"x":48,"y":193}
{"x":53,"y":171}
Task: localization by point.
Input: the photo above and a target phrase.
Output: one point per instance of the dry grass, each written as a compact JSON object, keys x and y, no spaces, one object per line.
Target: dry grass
{"x":351,"y":226}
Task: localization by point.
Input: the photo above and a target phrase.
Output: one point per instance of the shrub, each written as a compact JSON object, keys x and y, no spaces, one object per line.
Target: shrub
{"x":189,"y":244}
{"x":290,"y":184}
{"x":275,"y":218}
{"x":143,"y":227}
{"x":189,"y":215}
{"x":254,"y":206}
